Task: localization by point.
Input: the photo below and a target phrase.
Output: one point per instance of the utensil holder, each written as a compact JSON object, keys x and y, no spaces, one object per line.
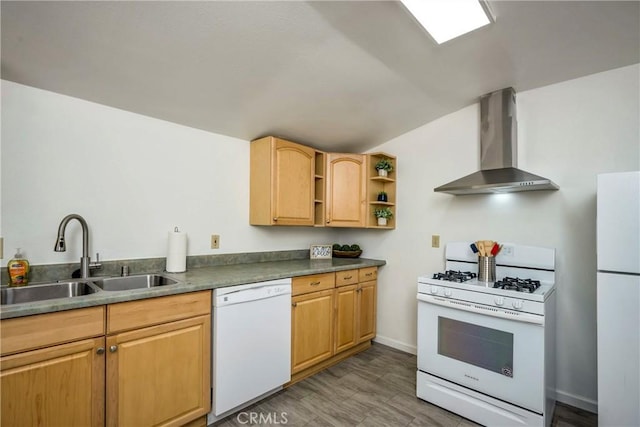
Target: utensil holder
{"x":486,"y":269}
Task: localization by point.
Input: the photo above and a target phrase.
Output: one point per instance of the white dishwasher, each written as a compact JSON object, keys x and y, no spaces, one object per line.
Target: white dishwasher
{"x":251,"y":343}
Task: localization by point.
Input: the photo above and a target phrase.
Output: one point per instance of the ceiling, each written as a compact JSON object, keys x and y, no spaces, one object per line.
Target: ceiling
{"x":337,"y":75}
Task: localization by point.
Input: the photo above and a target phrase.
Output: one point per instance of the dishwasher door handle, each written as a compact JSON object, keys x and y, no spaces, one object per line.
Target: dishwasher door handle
{"x":252,"y":294}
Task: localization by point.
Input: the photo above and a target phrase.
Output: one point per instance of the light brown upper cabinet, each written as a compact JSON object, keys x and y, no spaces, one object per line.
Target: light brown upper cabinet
{"x":346,"y":181}
{"x":293,"y":184}
{"x":282,"y":183}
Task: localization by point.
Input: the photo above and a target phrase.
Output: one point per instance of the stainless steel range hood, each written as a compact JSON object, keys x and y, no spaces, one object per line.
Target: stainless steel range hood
{"x":498,"y":152}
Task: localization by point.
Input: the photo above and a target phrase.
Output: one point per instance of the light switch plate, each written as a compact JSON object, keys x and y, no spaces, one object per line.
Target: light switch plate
{"x":1,"y":247}
{"x":215,"y":241}
{"x":435,"y":241}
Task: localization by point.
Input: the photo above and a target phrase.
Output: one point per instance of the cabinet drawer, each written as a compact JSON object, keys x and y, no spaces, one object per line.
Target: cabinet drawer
{"x":316,"y":282}
{"x":347,"y":277}
{"x":43,"y":330}
{"x":367,"y":274}
{"x":138,"y":314}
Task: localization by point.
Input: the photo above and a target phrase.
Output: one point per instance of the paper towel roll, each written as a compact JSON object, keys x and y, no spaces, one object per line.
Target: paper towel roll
{"x":177,"y":252}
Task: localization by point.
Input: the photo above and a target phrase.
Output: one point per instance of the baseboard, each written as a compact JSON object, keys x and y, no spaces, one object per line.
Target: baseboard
{"x":577,"y":401}
{"x":396,"y":344}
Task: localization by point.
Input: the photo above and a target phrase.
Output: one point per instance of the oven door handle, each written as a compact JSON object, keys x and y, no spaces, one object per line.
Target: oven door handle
{"x":517,"y":316}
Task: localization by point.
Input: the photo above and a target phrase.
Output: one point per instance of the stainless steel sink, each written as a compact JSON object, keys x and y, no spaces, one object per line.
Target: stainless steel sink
{"x":45,"y":291}
{"x":133,"y":282}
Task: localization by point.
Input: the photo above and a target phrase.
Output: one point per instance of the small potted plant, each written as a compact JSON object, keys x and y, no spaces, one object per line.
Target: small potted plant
{"x":382,"y":197}
{"x":383,"y":214}
{"x":384,"y":166}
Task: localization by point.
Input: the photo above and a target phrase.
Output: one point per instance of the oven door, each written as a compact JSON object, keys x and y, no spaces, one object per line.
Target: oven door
{"x":481,"y":348}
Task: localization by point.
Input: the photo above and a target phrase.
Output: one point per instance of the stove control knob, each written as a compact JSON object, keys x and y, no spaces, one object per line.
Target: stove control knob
{"x":447,"y":293}
{"x":499,"y":301}
{"x":517,"y":304}
{"x":433,"y":290}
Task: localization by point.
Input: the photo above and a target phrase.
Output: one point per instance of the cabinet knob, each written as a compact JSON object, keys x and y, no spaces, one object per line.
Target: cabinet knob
{"x":100,"y":350}
{"x":113,"y":348}
{"x":359,"y":290}
{"x":275,"y":218}
{"x":294,"y":304}
{"x":314,"y":283}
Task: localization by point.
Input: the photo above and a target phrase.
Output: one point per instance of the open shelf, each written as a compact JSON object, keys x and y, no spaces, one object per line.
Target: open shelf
{"x":319,"y":190}
{"x":377,"y":184}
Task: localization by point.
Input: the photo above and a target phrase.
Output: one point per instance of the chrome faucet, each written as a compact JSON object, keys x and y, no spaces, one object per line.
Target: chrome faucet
{"x":85,"y":261}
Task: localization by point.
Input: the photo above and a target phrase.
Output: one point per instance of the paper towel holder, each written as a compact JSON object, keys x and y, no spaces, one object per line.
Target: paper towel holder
{"x":176,"y":252}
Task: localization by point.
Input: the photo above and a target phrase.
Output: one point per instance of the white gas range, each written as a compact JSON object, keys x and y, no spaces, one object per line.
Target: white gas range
{"x":486,"y":350}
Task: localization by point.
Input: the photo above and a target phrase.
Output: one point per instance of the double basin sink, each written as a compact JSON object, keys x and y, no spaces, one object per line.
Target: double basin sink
{"x":80,"y":287}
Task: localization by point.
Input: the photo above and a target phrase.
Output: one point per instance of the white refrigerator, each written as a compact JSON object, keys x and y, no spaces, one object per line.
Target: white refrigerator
{"x":618,"y":251}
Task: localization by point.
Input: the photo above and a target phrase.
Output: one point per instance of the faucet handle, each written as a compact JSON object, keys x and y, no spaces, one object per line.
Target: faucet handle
{"x":96,"y":265}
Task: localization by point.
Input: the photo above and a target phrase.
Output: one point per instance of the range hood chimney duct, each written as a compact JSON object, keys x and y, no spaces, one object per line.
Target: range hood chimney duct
{"x":498,"y":152}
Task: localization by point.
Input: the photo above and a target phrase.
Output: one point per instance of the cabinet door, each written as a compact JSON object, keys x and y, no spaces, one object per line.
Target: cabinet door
{"x":160,"y":375}
{"x":366,"y":311}
{"x":346,"y":190}
{"x":311,"y":329}
{"x":61,"y":385}
{"x":293,"y":184}
{"x":346,"y":317}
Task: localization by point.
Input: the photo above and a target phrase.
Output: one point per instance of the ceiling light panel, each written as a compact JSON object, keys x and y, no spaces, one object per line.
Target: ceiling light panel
{"x":447,"y":19}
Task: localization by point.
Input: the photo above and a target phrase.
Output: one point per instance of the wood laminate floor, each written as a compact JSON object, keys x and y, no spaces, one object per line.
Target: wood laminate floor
{"x":374,"y":388}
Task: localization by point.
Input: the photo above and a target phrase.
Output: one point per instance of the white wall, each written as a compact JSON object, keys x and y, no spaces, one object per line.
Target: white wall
{"x":133,"y":178}
{"x":568,"y":132}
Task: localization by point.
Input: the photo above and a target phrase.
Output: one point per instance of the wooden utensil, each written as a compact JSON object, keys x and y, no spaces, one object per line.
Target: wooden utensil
{"x":480,"y":245}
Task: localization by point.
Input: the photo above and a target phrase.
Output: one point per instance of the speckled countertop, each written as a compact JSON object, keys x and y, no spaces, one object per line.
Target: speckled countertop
{"x":195,"y":279}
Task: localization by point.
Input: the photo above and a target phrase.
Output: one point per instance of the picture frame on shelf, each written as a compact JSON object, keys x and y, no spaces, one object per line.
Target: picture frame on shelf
{"x":320,"y":252}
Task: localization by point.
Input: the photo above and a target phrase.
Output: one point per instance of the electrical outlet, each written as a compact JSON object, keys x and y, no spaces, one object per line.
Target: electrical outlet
{"x":507,"y":250}
{"x":435,"y":241}
{"x":1,"y":247}
{"x":215,"y":241}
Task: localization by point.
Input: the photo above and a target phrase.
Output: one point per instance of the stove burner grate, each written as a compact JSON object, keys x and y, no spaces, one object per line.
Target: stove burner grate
{"x":517,"y":284}
{"x":455,"y":276}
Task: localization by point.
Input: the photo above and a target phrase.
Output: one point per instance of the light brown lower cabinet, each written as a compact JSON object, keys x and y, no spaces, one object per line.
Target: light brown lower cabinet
{"x":62,"y":385}
{"x":157,"y":375}
{"x":346,"y":317}
{"x":366,"y":308}
{"x":311,"y":329}
{"x":152,"y":368}
{"x":329,"y":325}
{"x":355,"y":308}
